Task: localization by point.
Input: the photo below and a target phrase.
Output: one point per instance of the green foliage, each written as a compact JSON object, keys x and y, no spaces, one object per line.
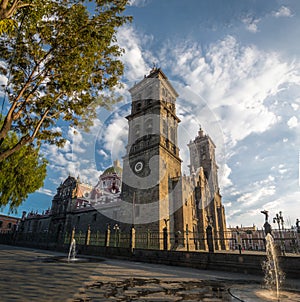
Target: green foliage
{"x":7,"y":10}
{"x":63,"y":63}
{"x":6,"y":25}
{"x":20,"y":174}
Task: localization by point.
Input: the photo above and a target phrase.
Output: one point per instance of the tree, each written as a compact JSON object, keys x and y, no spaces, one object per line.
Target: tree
{"x":21,"y":173}
{"x":7,"y":9}
{"x":61,"y":63}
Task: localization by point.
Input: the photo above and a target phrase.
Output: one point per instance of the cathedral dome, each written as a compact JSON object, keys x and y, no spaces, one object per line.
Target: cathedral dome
{"x":115,"y":169}
{"x":112,"y":170}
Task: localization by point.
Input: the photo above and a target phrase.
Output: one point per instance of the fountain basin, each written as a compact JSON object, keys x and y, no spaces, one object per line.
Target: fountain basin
{"x":252,"y":293}
{"x":65,"y":259}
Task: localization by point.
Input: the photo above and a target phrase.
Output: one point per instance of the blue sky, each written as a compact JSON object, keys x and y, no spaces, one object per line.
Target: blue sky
{"x":235,"y":65}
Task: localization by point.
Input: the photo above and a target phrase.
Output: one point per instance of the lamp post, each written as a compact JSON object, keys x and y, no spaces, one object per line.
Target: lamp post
{"x":297,"y":225}
{"x":117,"y":229}
{"x":187,"y":236}
{"x":280,"y":222}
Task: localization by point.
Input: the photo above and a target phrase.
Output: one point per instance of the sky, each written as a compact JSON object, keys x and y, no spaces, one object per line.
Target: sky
{"x":235,"y":65}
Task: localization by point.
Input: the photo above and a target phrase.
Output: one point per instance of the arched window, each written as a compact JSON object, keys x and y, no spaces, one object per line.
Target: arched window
{"x":138,"y":106}
{"x":165,"y":128}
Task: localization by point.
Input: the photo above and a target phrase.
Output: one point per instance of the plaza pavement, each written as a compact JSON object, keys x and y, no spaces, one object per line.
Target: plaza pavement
{"x":27,"y":275}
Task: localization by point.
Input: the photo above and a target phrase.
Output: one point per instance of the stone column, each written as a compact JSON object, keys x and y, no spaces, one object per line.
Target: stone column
{"x":107,"y":236}
{"x":132,"y":239}
{"x":88,"y":236}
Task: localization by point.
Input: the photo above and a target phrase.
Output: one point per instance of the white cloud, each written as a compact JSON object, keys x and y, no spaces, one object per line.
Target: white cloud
{"x":71,"y":156}
{"x":250,"y":200}
{"x":292,"y":122}
{"x":282,"y":169}
{"x":257,"y":195}
{"x":97,"y":124}
{"x":45,"y":191}
{"x":56,"y":129}
{"x":55,"y":157}
{"x":224,"y":179}
{"x":295,"y":106}
{"x":89,"y":175}
{"x":283,"y":12}
{"x":3,"y":82}
{"x":3,"y":79}
{"x":133,"y":59}
{"x":76,"y":140}
{"x":227,"y":204}
{"x":101,"y":152}
{"x":115,"y":137}
{"x":251,"y":24}
{"x":75,"y":158}
{"x":138,"y":3}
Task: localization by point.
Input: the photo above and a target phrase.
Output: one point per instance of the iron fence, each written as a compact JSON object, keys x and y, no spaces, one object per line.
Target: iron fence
{"x":97,"y":239}
{"x":287,"y":241}
{"x":80,"y":238}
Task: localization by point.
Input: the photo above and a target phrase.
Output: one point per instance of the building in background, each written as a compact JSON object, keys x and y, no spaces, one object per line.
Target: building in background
{"x":8,"y":223}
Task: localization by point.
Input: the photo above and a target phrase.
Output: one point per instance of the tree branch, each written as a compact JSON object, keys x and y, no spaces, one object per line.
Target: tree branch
{"x":6,"y":13}
{"x":25,"y":139}
{"x":11,"y":116}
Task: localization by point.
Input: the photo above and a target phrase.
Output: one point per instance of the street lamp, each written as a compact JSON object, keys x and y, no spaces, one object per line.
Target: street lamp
{"x":297,"y":225}
{"x":280,"y":222}
{"x":187,"y":236}
{"x":279,"y":219}
{"x":117,"y":229}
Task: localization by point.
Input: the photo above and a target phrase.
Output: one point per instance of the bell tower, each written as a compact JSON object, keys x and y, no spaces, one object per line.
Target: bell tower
{"x":152,"y":154}
{"x":202,"y":154}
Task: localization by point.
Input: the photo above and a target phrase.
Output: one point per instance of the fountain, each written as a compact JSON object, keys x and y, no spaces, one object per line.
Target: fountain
{"x":273,"y":275}
{"x":273,"y":279}
{"x":72,"y":251}
{"x":71,"y":258}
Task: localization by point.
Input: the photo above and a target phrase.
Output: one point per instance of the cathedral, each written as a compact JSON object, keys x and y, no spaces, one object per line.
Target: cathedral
{"x":149,"y":192}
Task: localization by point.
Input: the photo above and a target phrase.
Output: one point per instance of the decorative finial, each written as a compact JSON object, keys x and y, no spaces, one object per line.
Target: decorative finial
{"x":154,"y":68}
{"x":200,"y":132}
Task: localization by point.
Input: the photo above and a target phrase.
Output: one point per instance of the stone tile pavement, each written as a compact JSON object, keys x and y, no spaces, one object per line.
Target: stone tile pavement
{"x":32,"y":275}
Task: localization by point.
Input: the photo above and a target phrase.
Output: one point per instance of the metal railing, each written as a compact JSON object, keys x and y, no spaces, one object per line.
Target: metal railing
{"x":287,"y":241}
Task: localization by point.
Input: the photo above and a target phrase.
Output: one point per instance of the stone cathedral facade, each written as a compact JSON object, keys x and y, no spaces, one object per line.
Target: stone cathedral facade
{"x":150,"y":192}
